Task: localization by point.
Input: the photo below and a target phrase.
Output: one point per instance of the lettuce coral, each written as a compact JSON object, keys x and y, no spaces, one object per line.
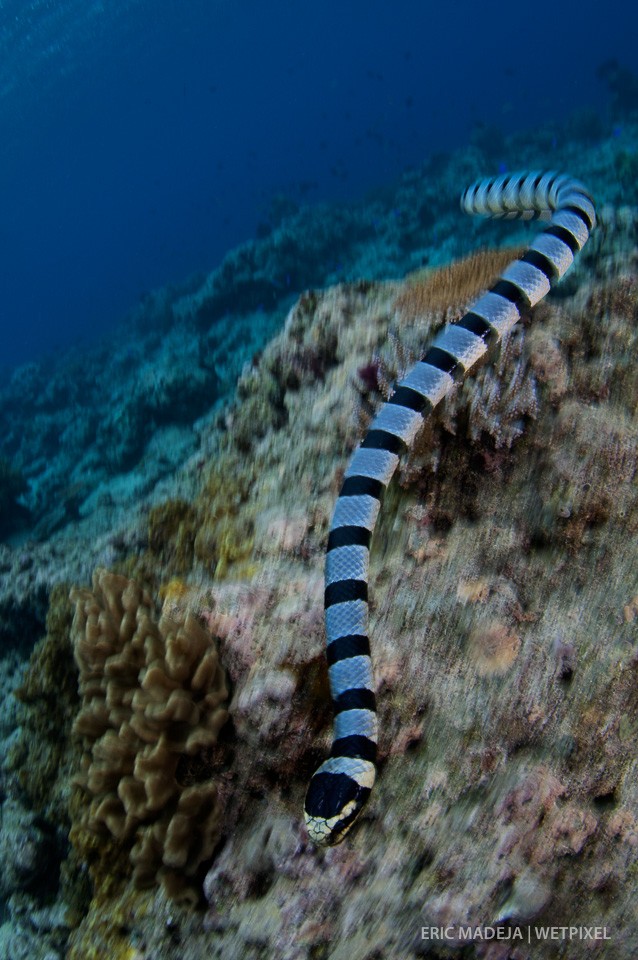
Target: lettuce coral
{"x":153,"y":697}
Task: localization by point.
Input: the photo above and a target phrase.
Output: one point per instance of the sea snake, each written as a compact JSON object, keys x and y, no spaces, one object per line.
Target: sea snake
{"x":342,"y":784}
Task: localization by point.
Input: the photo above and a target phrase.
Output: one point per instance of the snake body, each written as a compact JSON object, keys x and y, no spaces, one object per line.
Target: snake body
{"x":342,"y":784}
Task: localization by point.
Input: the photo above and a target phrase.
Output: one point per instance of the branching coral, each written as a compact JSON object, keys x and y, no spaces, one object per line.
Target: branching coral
{"x":152,"y":705}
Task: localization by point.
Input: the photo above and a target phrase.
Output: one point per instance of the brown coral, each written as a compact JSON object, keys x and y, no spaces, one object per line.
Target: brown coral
{"x":152,"y":701}
{"x":453,"y":285}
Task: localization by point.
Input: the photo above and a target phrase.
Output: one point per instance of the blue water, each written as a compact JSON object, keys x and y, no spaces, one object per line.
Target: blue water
{"x":141,"y":139}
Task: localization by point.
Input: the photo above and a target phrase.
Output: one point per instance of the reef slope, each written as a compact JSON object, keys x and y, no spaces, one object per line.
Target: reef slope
{"x":504,"y":615}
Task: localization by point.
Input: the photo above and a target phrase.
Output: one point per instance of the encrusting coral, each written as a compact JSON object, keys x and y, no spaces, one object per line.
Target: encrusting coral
{"x":153,"y":696}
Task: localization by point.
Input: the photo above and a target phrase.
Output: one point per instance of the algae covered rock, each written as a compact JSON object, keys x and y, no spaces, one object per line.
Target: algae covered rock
{"x":503,"y":625}
{"x":504,"y":599}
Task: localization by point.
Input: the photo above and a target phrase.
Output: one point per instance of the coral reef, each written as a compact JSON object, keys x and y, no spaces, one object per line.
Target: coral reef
{"x":152,"y":706}
{"x":172,"y":527}
{"x":27,"y":851}
{"x":507,"y":745}
{"x":505,"y":610}
{"x":98,"y":431}
{"x":37,"y":761}
{"x":507,"y":758}
{"x":12,"y":485}
{"x":43,"y":756}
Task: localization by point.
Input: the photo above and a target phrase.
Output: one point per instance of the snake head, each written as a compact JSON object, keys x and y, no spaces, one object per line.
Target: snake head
{"x":336,"y":796}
